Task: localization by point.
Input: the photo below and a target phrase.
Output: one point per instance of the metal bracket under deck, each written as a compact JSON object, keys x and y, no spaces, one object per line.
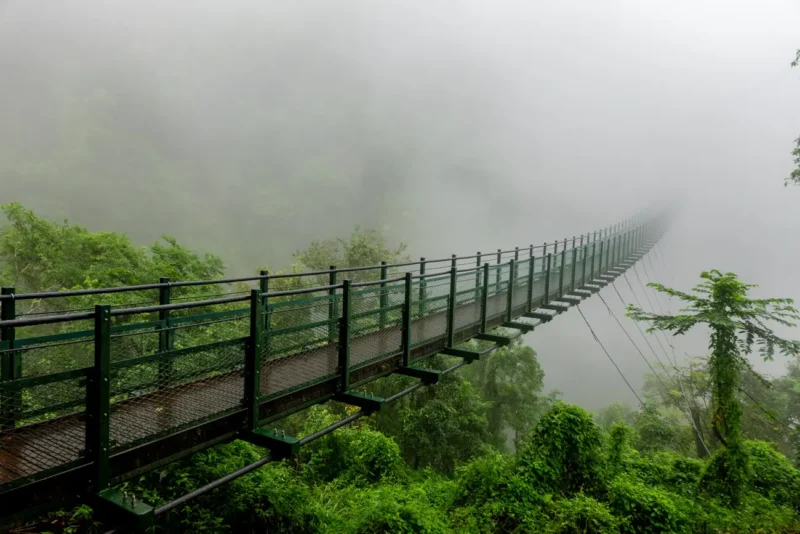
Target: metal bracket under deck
{"x":556,"y":306}
{"x":544,"y":317}
{"x":525,"y":327}
{"x":468,"y":355}
{"x":120,"y":508}
{"x":428,"y":376}
{"x":366,"y":402}
{"x":280,"y":446}
{"x":494,"y":338}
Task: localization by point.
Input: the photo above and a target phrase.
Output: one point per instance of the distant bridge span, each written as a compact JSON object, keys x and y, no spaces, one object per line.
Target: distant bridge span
{"x":92,"y":394}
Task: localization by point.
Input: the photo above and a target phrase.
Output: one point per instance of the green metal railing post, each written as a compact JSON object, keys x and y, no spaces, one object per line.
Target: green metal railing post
{"x":98,"y":400}
{"x":478,"y":273}
{"x":511,"y":277}
{"x":165,"y":335}
{"x":561,"y":271}
{"x":516,"y":254}
{"x":497,"y":285}
{"x":574,"y":266}
{"x":406,"y":334}
{"x":333,"y":307}
{"x":583,"y":260}
{"x":263,"y":285}
{"x":423,"y":291}
{"x":532,"y":260}
{"x":600,"y":259}
{"x":344,"y":338}
{"x":485,"y":297}
{"x":10,"y":362}
{"x":252,"y":367}
{"x":451,"y":305}
{"x":384,"y":297}
{"x":547,"y":280}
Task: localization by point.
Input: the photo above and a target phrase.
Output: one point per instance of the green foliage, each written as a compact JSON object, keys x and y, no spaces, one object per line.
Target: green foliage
{"x":271,"y":499}
{"x":772,"y":474}
{"x":563,"y":453}
{"x":645,"y":509}
{"x":615,"y":413}
{"x":737,"y":324}
{"x":670,"y":470}
{"x":444,"y":425}
{"x":484,"y":479}
{"x":582,"y":515}
{"x":661,"y":429}
{"x":388,"y":508}
{"x":795,"y":174}
{"x":511,"y":379}
{"x":355,"y":455}
{"x":40,"y":255}
{"x":618,"y":438}
{"x":362,"y":247}
{"x":431,"y":462}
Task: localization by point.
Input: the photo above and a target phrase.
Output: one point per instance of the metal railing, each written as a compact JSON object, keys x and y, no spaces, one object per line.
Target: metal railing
{"x":91,"y":387}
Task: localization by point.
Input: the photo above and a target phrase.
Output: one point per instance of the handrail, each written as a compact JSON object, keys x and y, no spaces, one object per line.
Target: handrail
{"x":619,"y":227}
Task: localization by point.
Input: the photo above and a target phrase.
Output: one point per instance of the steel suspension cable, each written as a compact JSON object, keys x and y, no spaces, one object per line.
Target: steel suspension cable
{"x":666,"y":389}
{"x":609,"y":356}
{"x":642,"y":307}
{"x":644,"y":289}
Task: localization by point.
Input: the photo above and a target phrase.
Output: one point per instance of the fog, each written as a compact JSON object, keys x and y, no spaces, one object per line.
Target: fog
{"x":249,"y":128}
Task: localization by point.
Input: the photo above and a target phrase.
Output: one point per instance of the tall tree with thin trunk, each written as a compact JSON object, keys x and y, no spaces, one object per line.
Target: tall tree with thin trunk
{"x":737,"y":324}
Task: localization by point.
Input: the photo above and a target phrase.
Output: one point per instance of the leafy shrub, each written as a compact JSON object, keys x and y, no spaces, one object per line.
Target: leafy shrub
{"x":563,"y":453}
{"x":582,"y":515}
{"x":389,"y":508}
{"x":272,"y":499}
{"x":645,"y":509}
{"x":484,"y":478}
{"x":669,"y":470}
{"x":772,"y":474}
{"x":756,"y":515}
{"x":370,"y":456}
{"x":354,"y":455}
{"x":618,"y":438}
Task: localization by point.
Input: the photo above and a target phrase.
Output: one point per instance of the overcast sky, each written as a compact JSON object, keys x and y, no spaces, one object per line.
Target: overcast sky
{"x":249,"y":128}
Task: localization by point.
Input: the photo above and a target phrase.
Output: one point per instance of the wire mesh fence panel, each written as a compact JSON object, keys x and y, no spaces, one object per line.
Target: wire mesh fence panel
{"x":41,"y":425}
{"x":497,"y":301}
{"x":468,"y":299}
{"x":157,"y":393}
{"x":375,"y":325}
{"x":207,"y":325}
{"x":429,"y":309}
{"x":567,"y":280}
{"x":520,"y":297}
{"x":539,"y":274}
{"x":300,"y":344}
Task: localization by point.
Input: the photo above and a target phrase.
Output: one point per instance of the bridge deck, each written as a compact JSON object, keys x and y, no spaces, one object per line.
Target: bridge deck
{"x":166,"y":403}
{"x":59,"y":442}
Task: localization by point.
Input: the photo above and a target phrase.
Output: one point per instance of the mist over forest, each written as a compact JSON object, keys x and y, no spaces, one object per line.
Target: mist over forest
{"x":251,"y":130}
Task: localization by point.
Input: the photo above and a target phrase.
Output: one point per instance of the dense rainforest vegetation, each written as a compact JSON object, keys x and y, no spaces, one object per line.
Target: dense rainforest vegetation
{"x":486,"y":449}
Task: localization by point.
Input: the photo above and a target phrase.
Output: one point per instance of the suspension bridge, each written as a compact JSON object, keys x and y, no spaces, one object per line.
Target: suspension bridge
{"x":94,"y":394}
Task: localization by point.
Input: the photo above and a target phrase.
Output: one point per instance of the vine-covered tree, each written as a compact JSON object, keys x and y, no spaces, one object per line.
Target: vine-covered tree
{"x":737,"y":324}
